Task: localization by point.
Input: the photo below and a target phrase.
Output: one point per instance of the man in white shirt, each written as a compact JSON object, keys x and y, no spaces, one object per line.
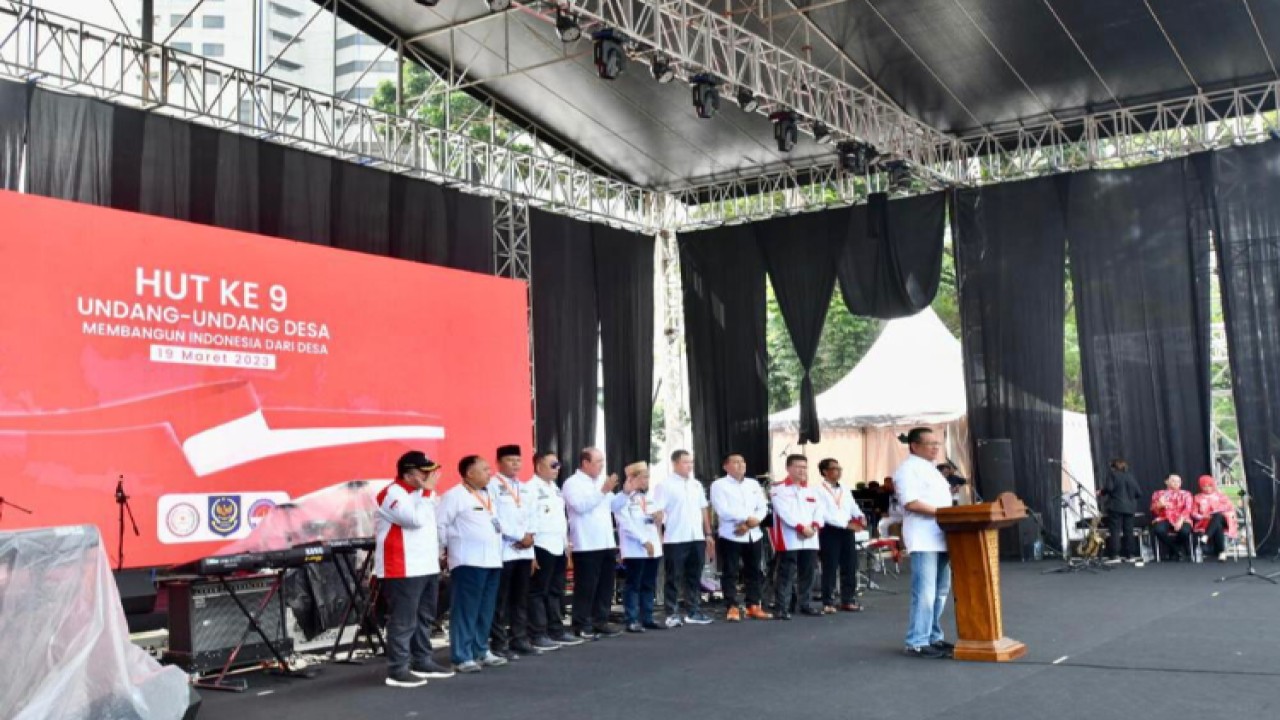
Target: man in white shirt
{"x":510,"y":635}
{"x":740,"y":505}
{"x":686,"y":540}
{"x":641,"y":546}
{"x":550,"y":528}
{"x":470,"y":530}
{"x":921,"y":491}
{"x":588,"y":495}
{"x":838,"y":549}
{"x":797,"y":517}
{"x":407,"y":564}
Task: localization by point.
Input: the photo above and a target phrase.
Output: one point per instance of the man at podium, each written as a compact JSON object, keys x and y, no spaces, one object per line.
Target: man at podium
{"x":921,"y":490}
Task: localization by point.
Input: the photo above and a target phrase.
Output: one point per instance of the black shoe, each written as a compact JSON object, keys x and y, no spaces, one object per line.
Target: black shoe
{"x":521,"y":647}
{"x":948,"y":648}
{"x":430,"y":669}
{"x":585,"y":635}
{"x":404,"y":679}
{"x":782,"y":616}
{"x":506,"y":654}
{"x":566,"y":639}
{"x":651,"y":625}
{"x":635,"y":628}
{"x":810,"y":612}
{"x":608,"y":630}
{"x":924,"y":651}
{"x":545,"y":644}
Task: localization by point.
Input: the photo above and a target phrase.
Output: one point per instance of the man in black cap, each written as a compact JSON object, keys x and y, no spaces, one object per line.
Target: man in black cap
{"x":407,"y":564}
{"x":510,"y":635}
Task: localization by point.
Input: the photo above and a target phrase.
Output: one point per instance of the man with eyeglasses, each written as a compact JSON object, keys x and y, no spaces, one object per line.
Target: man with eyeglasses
{"x":921,"y":492}
{"x":838,"y":549}
{"x":550,"y":528}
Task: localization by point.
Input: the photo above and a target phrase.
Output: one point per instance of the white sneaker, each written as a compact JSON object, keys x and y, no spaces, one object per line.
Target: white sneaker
{"x":491,"y":660}
{"x":674,"y":621}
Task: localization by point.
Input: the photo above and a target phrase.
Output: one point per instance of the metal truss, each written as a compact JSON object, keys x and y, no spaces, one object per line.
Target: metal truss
{"x":512,"y":256}
{"x":702,"y":41}
{"x":63,"y":53}
{"x":671,"y":365}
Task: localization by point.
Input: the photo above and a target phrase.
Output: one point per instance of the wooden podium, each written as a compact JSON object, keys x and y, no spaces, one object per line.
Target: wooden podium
{"x":974,"y":547}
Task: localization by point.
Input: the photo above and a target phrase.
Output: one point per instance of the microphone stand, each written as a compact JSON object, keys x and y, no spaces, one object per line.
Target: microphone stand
{"x":1248,"y":509}
{"x":122,"y":500}
{"x":4,"y":503}
{"x":1074,"y":564}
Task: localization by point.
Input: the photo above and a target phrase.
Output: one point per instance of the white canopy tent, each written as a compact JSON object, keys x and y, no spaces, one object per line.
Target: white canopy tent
{"x":912,"y":375}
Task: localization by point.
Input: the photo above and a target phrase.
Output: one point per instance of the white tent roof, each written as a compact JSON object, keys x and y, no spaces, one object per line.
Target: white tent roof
{"x":913,"y":374}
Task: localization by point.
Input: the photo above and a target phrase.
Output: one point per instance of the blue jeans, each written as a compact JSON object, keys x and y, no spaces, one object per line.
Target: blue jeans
{"x":930,"y":585}
{"x":472,"y":602}
{"x":642,"y":582}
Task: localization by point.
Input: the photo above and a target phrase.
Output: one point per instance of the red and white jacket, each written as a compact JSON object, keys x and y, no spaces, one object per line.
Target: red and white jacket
{"x":408,"y":545}
{"x":794,"y":506}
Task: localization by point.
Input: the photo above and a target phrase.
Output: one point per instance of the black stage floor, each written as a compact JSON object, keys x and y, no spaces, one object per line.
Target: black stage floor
{"x":1156,"y":641}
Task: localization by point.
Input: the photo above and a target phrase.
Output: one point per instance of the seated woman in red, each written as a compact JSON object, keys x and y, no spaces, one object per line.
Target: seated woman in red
{"x":1214,"y":516}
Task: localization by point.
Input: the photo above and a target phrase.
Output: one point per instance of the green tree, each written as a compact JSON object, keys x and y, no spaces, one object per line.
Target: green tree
{"x":845,"y":340}
{"x":436,"y":105}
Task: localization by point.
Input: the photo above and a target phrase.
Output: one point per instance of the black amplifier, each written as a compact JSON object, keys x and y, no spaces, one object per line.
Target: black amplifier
{"x":205,"y":623}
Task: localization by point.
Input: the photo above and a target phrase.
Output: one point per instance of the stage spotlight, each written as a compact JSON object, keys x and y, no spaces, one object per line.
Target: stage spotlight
{"x":899,"y":172}
{"x":567,"y":27}
{"x":785,"y":130}
{"x":747,"y":100}
{"x":706,"y":96}
{"x":856,"y":157}
{"x":821,"y":134}
{"x":661,"y":68}
{"x":498,"y":5}
{"x":610,"y":58}
{"x":427,"y":3}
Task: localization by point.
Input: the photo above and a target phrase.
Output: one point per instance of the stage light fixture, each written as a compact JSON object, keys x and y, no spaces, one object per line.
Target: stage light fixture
{"x":706,"y":96}
{"x":856,"y":157}
{"x":567,"y":27}
{"x":498,"y":5}
{"x":747,"y":100}
{"x":785,"y":131}
{"x":821,"y":134}
{"x":899,"y":173}
{"x":427,"y":3}
{"x":662,"y":69}
{"x":609,"y":55}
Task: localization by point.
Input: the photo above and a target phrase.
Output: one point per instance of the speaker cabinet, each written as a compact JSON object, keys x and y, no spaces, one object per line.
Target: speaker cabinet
{"x":205,"y":623}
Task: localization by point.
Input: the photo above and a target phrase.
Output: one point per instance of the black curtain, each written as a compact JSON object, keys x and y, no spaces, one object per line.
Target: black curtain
{"x":236,"y":192}
{"x":800,"y":253}
{"x":165,"y":169}
{"x":69,"y":148}
{"x":204,"y":146}
{"x":470,"y":232}
{"x":419,"y":221}
{"x":1010,"y":247}
{"x":306,"y":202}
{"x":724,"y":314}
{"x":15,"y":99}
{"x":1139,"y":259}
{"x":127,"y":129}
{"x":565,"y":321}
{"x":361,"y":213}
{"x":892,"y":258}
{"x":624,"y":292}
{"x":1246,"y":191}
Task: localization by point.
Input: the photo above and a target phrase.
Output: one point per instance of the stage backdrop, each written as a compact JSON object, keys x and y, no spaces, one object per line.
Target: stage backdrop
{"x":218,"y":373}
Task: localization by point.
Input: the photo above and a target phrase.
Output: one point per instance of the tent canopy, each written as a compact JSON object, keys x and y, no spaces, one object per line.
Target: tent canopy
{"x":913,"y":374}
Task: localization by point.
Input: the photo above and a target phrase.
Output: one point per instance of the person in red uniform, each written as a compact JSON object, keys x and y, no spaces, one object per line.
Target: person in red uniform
{"x":1214,"y":516}
{"x":1171,"y":518}
{"x":407,"y":562}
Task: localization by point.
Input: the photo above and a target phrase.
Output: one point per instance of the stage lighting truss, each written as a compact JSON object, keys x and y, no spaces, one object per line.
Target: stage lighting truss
{"x":747,"y":100}
{"x":785,"y":130}
{"x":610,"y":56}
{"x":662,"y":69}
{"x":706,"y":96}
{"x":856,"y":157}
{"x":567,"y":27}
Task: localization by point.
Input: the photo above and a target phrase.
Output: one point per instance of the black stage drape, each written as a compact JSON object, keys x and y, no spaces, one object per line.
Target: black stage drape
{"x":1246,"y":191}
{"x":127,"y":132}
{"x":236,"y":188}
{"x":724,"y":310}
{"x":1139,"y":260}
{"x":15,"y":99}
{"x":800,"y":253}
{"x":419,"y":221}
{"x":165,"y":168}
{"x":1010,"y":246}
{"x":470,"y":232}
{"x":892,"y":258}
{"x":361,"y":202}
{"x":624,"y":290}
{"x":564,"y":335}
{"x":69,"y":148}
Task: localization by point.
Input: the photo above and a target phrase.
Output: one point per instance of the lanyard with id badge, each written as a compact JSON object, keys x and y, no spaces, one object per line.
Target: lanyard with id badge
{"x":487,"y":503}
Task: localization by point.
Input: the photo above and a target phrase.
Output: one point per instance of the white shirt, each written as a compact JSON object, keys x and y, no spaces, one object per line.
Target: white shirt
{"x":918,"y":479}
{"x":682,"y":501}
{"x":838,"y":506}
{"x":794,"y":506}
{"x":547,"y":520}
{"x":590,"y":521}
{"x":735,"y":501}
{"x":405,"y":524}
{"x":513,"y":512}
{"x":635,"y":525}
{"x":468,"y":526}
